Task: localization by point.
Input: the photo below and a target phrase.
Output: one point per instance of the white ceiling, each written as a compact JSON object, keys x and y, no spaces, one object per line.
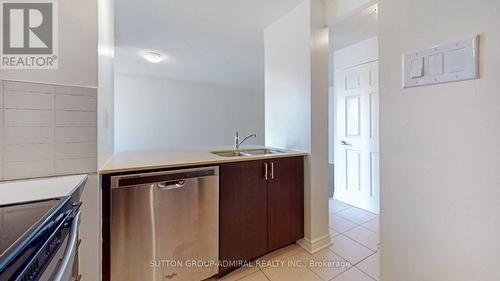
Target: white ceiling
{"x":217,"y":42}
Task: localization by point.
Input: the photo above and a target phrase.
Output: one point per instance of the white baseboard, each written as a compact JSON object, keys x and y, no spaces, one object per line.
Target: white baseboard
{"x":316,"y":245}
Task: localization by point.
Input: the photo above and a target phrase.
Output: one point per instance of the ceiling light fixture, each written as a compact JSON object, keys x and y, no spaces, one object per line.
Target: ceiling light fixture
{"x":153,"y":57}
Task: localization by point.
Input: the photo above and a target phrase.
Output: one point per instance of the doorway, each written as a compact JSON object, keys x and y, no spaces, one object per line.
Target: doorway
{"x":356,"y":145}
{"x":354,"y":111}
{"x":354,"y":142}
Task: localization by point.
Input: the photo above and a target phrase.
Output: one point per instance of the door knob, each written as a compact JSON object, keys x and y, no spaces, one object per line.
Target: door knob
{"x":345,"y":143}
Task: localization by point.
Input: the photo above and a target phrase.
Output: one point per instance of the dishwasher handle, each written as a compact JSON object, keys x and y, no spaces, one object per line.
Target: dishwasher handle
{"x":164,"y":180}
{"x":170,"y":185}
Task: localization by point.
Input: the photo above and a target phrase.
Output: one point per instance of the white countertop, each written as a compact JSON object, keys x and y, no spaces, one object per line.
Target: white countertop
{"x":162,"y":159}
{"x":19,"y":191}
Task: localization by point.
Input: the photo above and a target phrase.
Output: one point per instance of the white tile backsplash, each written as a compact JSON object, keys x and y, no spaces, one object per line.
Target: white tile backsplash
{"x":25,"y":135}
{"x":28,"y":169}
{"x":26,"y":100}
{"x":75,"y":91}
{"x":76,"y":134}
{"x":75,"y":119}
{"x":28,"y":118}
{"x":27,"y":87}
{"x":79,"y":103}
{"x":46,"y":130}
{"x":73,"y":166}
{"x":28,"y":152}
{"x":75,"y":150}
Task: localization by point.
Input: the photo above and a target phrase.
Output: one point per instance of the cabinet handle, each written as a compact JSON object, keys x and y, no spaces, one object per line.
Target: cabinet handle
{"x":265,"y":171}
{"x":272,"y":170}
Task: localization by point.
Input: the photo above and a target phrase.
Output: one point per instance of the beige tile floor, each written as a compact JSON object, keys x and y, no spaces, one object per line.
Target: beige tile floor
{"x":352,"y":257}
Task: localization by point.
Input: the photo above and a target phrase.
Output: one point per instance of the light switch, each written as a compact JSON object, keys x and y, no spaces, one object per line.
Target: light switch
{"x":436,"y":62}
{"x":450,"y":62}
{"x":455,"y":60}
{"x":417,"y":68}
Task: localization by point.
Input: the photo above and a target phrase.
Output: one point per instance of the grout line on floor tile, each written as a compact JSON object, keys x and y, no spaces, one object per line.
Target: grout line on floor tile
{"x":333,"y":279}
{"x":338,"y":211}
{"x":353,"y":221}
{"x":342,"y":232}
{"x":315,"y":273}
{"x":357,"y":224}
{"x":358,"y":243}
{"x":367,"y":229}
{"x":354,"y":207}
{"x":363,"y":225}
{"x":346,"y":229}
{"x":267,"y":277}
{"x":366,"y":274}
{"x":362,"y":269}
{"x":260,"y":269}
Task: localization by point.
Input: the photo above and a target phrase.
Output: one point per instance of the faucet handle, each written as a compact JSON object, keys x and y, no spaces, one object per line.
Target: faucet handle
{"x":236,"y":141}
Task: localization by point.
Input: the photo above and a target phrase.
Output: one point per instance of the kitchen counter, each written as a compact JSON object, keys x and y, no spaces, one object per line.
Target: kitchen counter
{"x":163,"y":159}
{"x":20,"y":191}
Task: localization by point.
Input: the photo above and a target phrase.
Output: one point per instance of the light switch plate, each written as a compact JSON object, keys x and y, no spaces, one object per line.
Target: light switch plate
{"x":417,"y":67}
{"x":436,"y":64}
{"x":444,"y":63}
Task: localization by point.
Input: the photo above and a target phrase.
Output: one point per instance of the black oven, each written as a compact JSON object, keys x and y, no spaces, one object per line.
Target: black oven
{"x":39,"y":240}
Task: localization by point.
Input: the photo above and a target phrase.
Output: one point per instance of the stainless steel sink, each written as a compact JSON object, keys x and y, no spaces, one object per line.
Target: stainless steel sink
{"x":247,"y":152}
{"x":229,"y":153}
{"x":263,"y":151}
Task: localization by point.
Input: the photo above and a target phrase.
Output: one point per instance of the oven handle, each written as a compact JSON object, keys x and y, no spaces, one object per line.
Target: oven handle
{"x":66,"y":263}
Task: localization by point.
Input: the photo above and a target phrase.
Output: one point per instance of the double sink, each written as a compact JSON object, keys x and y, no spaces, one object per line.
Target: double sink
{"x":247,"y":152}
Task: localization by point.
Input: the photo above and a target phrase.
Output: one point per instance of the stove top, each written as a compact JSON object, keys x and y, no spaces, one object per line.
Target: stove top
{"x":17,"y":221}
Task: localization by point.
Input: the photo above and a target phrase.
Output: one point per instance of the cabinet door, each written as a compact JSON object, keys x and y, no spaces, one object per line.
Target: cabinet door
{"x":285,"y":219}
{"x":243,"y":211}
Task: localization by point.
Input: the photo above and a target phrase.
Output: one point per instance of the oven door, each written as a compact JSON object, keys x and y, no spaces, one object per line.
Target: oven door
{"x":61,"y":266}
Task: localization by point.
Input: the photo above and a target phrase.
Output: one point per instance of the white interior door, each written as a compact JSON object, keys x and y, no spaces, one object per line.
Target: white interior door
{"x":357,"y":136}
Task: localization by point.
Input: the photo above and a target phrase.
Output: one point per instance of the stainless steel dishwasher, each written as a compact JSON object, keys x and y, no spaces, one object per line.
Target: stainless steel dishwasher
{"x":164,"y":225}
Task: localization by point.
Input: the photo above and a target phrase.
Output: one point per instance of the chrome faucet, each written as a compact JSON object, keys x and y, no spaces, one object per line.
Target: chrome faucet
{"x":237,"y":142}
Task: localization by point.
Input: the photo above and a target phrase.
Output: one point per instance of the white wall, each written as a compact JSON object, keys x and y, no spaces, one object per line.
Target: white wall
{"x":296,"y":67}
{"x":77,"y":48}
{"x":338,"y":10}
{"x":359,"y":53}
{"x":288,"y":80}
{"x":317,"y":193}
{"x":90,"y":229}
{"x":155,"y":113}
{"x":106,"y":73}
{"x":440,"y":148}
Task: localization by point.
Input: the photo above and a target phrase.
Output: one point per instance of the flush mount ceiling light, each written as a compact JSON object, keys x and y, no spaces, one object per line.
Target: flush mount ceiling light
{"x":153,"y":57}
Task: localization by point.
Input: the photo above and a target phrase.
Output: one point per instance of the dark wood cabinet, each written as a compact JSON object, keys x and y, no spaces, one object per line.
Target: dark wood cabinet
{"x":242,"y":212}
{"x":285,"y":202}
{"x":261,"y":207}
